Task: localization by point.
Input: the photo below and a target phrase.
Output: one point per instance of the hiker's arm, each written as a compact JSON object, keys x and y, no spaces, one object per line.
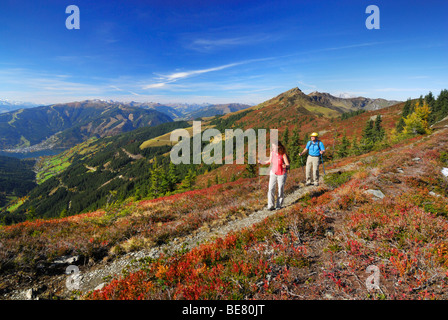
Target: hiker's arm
{"x":322,"y":151}
{"x":286,"y":161}
{"x":304,"y":150}
{"x":266,"y":162}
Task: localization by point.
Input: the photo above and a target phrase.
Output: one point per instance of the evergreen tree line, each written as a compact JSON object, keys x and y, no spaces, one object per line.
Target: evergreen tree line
{"x":372,"y":138}
{"x":347,"y":115}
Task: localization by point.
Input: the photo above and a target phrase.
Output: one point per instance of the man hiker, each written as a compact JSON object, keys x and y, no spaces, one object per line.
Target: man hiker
{"x":315,"y":149}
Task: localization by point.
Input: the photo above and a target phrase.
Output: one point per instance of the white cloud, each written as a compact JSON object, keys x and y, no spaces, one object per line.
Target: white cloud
{"x":163,"y":80}
{"x":173,"y":77}
{"x":181,"y":75}
{"x":213,"y":43}
{"x":154,"y":85}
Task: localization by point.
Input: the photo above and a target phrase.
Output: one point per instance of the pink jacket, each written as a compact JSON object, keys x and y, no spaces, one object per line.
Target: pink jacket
{"x":277,"y":164}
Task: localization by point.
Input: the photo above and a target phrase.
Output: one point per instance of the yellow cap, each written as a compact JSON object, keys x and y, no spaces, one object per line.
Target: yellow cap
{"x":314,"y":134}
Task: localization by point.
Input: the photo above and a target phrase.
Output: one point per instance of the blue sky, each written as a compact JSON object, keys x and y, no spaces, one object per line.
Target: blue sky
{"x":220,"y":51}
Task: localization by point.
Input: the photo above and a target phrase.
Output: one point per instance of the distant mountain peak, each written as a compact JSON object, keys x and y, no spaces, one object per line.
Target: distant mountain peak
{"x":345,"y":95}
{"x":293,"y":91}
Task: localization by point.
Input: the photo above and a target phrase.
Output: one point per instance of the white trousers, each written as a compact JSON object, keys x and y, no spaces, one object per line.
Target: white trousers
{"x":280,"y":181}
{"x":312,"y":170}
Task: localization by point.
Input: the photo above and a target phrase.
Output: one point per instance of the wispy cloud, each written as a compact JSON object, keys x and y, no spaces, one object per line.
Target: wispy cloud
{"x":351,"y":46}
{"x":163,"y":80}
{"x":180,"y":75}
{"x":155,"y":85}
{"x":307,"y":85}
{"x":212,"y":43}
{"x":121,"y":90}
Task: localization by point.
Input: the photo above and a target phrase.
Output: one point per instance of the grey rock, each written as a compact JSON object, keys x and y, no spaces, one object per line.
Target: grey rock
{"x":100,"y":286}
{"x":376,"y":193}
{"x":30,"y":294}
{"x":66,"y":260}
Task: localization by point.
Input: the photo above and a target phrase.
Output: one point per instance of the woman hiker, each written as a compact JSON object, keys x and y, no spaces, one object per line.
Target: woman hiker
{"x":279,"y":164}
{"x":315,"y":149}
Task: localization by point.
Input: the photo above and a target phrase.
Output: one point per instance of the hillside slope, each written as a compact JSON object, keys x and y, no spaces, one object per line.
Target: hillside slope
{"x":216,"y":109}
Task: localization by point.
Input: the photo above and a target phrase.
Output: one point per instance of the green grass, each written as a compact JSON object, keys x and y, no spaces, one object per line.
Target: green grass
{"x":24,"y":142}
{"x":14,"y":206}
{"x":14,"y":116}
{"x":52,"y":166}
{"x":337,"y":179}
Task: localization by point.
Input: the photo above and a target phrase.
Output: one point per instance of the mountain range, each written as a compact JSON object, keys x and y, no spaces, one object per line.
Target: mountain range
{"x":186,"y":111}
{"x":348,"y":103}
{"x":58,"y":126}
{"x":61,"y":126}
{"x":7,"y":105}
{"x":65,"y":125}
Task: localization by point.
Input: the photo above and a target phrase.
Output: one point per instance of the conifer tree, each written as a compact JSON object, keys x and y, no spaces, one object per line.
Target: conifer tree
{"x":367,"y":141}
{"x":285,"y":137}
{"x":294,"y":148}
{"x":400,"y":125}
{"x":378,"y":132}
{"x":407,"y":109}
{"x":156,"y":179}
{"x":355,"y":150}
{"x":440,"y":108}
{"x":188,"y":181}
{"x":251,"y":170}
{"x":343,"y":148}
{"x":171,"y":178}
